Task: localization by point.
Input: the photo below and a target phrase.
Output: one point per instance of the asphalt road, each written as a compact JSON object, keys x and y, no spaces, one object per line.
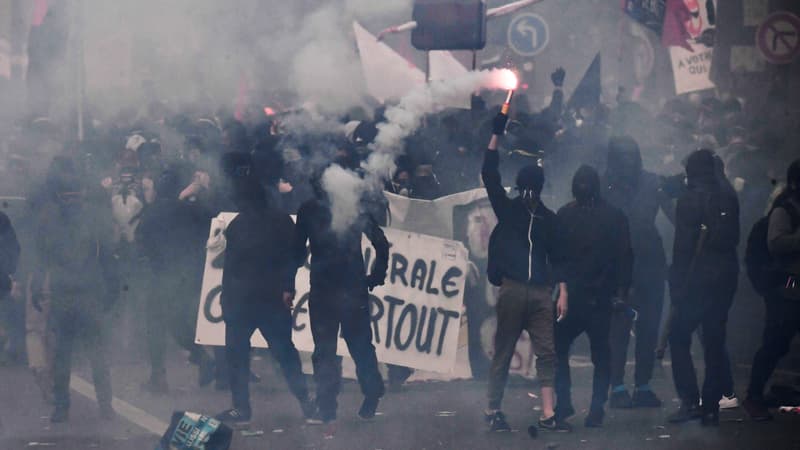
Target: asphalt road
{"x":428,"y":415}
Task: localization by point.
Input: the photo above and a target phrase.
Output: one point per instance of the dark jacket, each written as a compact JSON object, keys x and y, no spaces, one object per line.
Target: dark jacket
{"x":640,"y":201}
{"x":258,"y":264}
{"x":173,"y":234}
{"x":9,"y":253}
{"x":597,"y":250}
{"x":75,"y":249}
{"x":336,"y":258}
{"x":706,"y":205}
{"x":784,"y":234}
{"x":524,"y":245}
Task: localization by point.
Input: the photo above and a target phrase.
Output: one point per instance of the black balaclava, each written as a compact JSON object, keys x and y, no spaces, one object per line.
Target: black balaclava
{"x":530,"y":181}
{"x":586,"y":185}
{"x":168,"y":186}
{"x":701,"y":168}
{"x":793,"y":179}
{"x":624,"y":161}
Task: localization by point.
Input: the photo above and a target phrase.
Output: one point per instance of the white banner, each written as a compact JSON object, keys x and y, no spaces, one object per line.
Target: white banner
{"x":692,"y":69}
{"x":416,"y":316}
{"x":465,"y":217}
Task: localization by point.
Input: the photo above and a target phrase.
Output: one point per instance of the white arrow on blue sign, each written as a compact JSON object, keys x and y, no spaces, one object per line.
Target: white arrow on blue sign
{"x":528,"y":34}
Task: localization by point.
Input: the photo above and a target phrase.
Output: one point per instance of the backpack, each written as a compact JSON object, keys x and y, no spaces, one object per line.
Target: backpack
{"x":763,"y":270}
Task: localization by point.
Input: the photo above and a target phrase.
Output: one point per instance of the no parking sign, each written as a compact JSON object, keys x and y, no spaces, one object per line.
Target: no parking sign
{"x":528,"y":34}
{"x":778,"y":38}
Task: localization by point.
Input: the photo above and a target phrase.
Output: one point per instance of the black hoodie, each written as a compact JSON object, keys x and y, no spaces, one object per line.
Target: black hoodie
{"x":598,"y":253}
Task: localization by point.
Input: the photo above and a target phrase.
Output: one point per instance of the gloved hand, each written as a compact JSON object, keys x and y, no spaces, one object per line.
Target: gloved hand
{"x":375,"y":279}
{"x":558,"y":77}
{"x":499,"y":124}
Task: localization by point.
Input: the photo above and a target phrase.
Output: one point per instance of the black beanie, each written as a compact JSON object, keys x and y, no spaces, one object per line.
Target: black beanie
{"x":586,"y":184}
{"x":701,"y":164}
{"x":531,"y":177}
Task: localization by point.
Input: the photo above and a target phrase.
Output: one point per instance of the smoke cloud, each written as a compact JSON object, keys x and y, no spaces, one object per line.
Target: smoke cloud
{"x":346,"y":188}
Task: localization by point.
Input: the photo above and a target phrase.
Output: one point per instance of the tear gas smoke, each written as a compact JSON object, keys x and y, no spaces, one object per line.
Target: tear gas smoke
{"x":345,"y":188}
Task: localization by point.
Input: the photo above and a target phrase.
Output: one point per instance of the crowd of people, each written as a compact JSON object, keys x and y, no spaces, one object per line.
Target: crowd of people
{"x":124,"y":213}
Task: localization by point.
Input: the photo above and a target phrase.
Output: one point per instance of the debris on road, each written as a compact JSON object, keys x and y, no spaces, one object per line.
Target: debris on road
{"x":254,"y":433}
{"x":446,"y":414}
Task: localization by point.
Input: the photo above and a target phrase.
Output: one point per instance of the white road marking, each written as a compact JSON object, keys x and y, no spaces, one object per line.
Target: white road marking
{"x":124,"y":409}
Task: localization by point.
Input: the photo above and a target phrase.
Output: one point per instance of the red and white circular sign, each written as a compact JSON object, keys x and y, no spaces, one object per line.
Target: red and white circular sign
{"x":778,"y":38}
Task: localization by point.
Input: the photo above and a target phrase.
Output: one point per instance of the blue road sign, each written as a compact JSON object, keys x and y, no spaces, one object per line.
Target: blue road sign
{"x":528,"y":34}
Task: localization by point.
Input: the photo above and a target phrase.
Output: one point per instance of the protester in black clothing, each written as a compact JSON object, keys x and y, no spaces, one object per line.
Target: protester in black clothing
{"x":257,"y":294}
{"x":524,"y":262}
{"x":598,"y":263}
{"x":638,"y":194}
{"x":82,"y":283}
{"x":172,"y":234}
{"x":9,"y":255}
{"x":782,"y":300}
{"x":703,"y":281}
{"x":339,"y":299}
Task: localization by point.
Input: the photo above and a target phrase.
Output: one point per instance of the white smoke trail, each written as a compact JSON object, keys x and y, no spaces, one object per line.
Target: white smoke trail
{"x":345,"y":188}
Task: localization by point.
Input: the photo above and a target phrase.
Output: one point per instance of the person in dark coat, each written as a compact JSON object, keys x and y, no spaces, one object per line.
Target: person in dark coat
{"x":339,"y":298}
{"x":598,"y":263}
{"x":257,"y":294}
{"x":703,"y":280}
{"x":638,"y":194}
{"x":82,"y":283}
{"x":172,"y":235}
{"x":783,"y":308}
{"x":9,"y":255}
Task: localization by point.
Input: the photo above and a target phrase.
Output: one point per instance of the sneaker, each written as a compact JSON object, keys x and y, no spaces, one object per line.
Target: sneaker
{"x":620,"y":400}
{"x":729,"y":402}
{"x":594,"y":419}
{"x":757,"y":410}
{"x":60,"y":415}
{"x":552,"y":424}
{"x":685,"y":413}
{"x":497,"y":422}
{"x":645,"y":399}
{"x":234,"y":417}
{"x":368,"y":408}
{"x":710,"y":419}
{"x":318,"y":419}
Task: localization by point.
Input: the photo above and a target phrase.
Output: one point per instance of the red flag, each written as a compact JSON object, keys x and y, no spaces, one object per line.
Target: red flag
{"x":674,"y":33}
{"x":40,"y":8}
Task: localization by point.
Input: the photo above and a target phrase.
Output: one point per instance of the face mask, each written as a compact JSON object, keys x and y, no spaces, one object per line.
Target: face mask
{"x":583,"y":193}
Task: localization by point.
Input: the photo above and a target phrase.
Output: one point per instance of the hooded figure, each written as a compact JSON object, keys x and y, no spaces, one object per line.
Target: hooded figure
{"x":74,"y":246}
{"x":258,"y":292}
{"x":525,"y":261}
{"x":703,"y":281}
{"x":783,"y":309}
{"x":598,"y":263}
{"x":172,"y":235}
{"x":339,"y":297}
{"x":639,"y":195}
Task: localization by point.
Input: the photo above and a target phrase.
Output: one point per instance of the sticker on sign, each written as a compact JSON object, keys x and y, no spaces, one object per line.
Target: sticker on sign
{"x":778,"y":38}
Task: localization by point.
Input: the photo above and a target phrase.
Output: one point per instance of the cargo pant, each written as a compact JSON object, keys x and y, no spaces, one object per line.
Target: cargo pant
{"x":529,"y":308}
